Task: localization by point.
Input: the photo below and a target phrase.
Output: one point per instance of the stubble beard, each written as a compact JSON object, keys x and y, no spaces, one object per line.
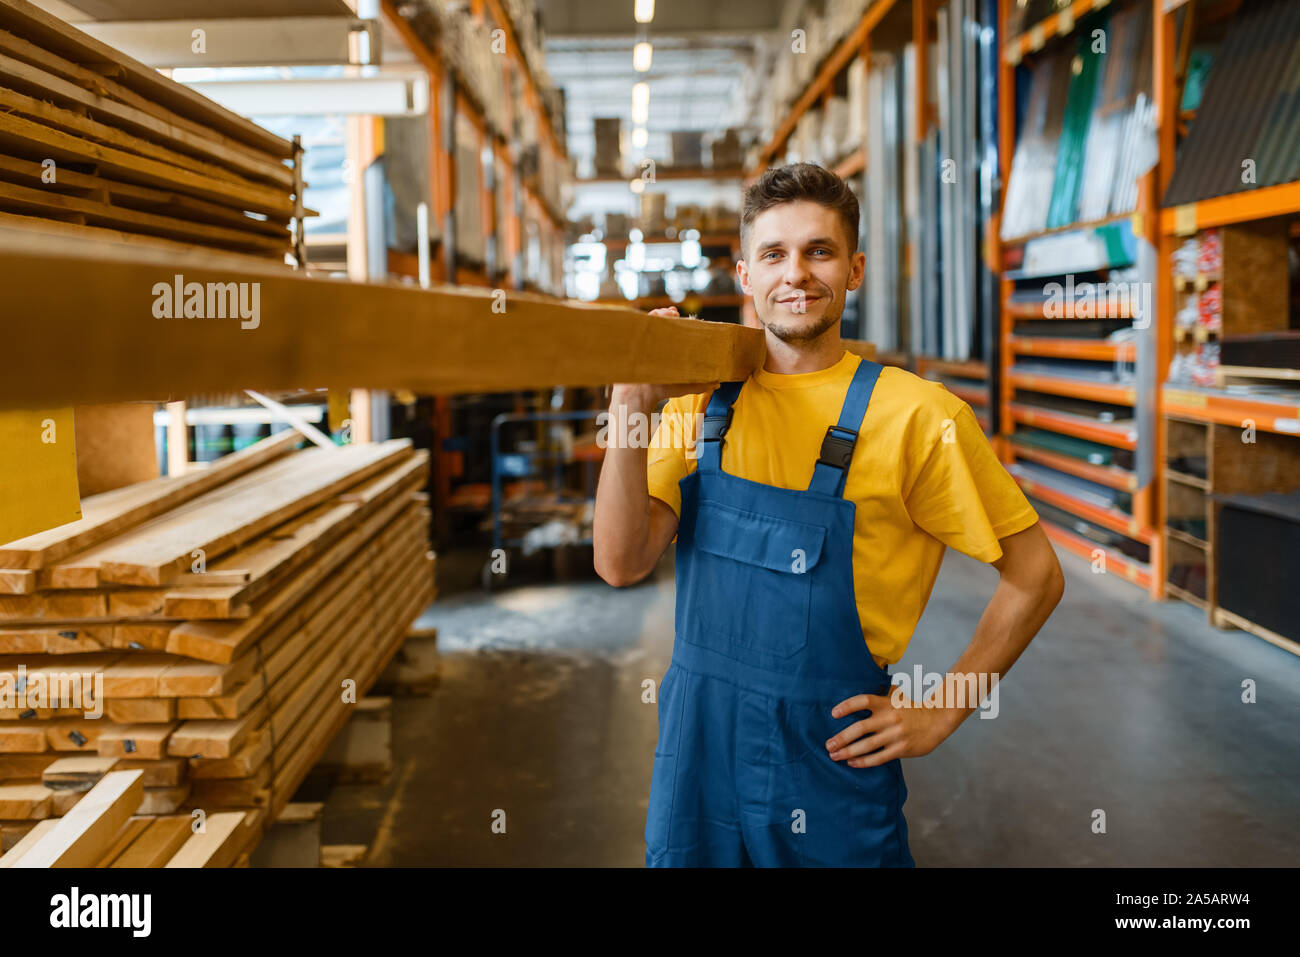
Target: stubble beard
{"x":792,"y":332}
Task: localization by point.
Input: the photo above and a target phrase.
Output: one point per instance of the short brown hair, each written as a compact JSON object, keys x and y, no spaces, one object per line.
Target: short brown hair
{"x":785,"y":184}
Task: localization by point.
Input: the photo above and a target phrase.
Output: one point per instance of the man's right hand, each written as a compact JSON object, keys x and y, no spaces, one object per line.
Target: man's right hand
{"x":644,"y":396}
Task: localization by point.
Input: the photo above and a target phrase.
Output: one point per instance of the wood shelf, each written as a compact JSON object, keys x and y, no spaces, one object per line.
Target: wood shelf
{"x":1128,"y":568}
{"x":1263,"y":202}
{"x":1180,"y":535}
{"x":1183,"y":595}
{"x":851,"y":165}
{"x":1074,"y":388}
{"x":1110,"y":518}
{"x":1070,"y":228}
{"x":1109,"y":475}
{"x":1224,"y":409}
{"x":1073,"y":348}
{"x":1183,"y":478}
{"x":1118,"y":436}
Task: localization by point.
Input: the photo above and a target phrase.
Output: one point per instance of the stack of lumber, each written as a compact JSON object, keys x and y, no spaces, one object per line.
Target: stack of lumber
{"x":104,"y":830}
{"x":231,"y":618}
{"x":95,"y":143}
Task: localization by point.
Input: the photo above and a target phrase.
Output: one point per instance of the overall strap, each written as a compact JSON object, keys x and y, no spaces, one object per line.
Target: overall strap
{"x":832,"y":466}
{"x":717,"y":420}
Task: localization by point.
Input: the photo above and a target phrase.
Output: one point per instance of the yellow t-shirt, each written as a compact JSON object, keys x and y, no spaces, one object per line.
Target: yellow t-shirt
{"x":923,"y":477}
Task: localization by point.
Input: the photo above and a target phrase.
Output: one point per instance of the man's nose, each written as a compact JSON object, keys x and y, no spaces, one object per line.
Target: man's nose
{"x":796,"y":270}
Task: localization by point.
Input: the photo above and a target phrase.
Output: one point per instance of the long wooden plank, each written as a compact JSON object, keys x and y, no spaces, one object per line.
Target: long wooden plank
{"x":82,"y":837}
{"x":224,"y":835}
{"x":49,"y":32}
{"x":66,"y":147}
{"x":137,"y":121}
{"x":101,"y":333}
{"x":222,"y":642}
{"x":26,"y":841}
{"x":134,"y":196}
{"x":111,"y":513}
{"x":158,"y":844}
{"x":158,"y":550}
{"x":27,"y":201}
{"x":75,"y":122}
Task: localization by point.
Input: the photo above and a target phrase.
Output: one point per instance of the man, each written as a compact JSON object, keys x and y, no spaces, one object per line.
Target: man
{"x":810,"y":527}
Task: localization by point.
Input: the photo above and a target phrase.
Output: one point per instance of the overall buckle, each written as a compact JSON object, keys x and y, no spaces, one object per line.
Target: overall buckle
{"x":715,"y":426}
{"x":837,"y":450}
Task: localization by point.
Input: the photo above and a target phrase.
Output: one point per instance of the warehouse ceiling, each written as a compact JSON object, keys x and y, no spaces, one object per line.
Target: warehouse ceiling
{"x":191,"y":9}
{"x":701,"y":54}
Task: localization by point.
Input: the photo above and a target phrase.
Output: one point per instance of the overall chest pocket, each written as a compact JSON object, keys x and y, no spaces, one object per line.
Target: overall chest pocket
{"x":752,"y":579}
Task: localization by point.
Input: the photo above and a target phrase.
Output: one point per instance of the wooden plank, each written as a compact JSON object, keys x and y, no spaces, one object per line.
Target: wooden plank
{"x":37,"y":202}
{"x":25,"y":801}
{"x":87,"y":832}
{"x":138,"y":121}
{"x":26,"y":841}
{"x":112,"y":513}
{"x":65,"y":147}
{"x":135,"y":740}
{"x":103,"y":86}
{"x":102,"y":334}
{"x":149,"y":555}
{"x":50,"y":33}
{"x":224,"y":641}
{"x":217,"y":846}
{"x":127,"y":836}
{"x":157,"y":845}
{"x":79,"y":773}
{"x":134,"y":196}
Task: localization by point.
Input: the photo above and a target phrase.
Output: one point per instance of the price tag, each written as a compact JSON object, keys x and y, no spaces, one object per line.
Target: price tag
{"x":1185,"y":219}
{"x":1065,"y":21}
{"x":1291,"y":426}
{"x":1037,"y":37}
{"x":1180,"y":283}
{"x":1012,"y":53}
{"x":1201,"y":282}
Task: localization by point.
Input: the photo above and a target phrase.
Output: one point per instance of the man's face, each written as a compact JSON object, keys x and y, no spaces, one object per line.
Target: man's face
{"x":798,"y":269}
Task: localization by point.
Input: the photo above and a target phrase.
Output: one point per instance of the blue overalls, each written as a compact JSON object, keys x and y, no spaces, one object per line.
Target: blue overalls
{"x":768,"y":641}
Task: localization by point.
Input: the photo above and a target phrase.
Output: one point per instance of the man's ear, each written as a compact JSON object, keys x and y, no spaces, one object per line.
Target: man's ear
{"x":857,"y":270}
{"x":742,"y":271}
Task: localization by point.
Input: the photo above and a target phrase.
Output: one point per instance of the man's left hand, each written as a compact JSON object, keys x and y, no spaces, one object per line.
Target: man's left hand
{"x":903,"y":730}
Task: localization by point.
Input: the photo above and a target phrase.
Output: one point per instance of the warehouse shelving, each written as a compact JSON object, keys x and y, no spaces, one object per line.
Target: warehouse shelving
{"x":1111,"y":236}
{"x":446,"y":100}
{"x":1243,"y":444}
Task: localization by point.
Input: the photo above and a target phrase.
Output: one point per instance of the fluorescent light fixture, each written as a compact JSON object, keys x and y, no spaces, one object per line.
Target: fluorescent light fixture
{"x":637,"y":185}
{"x":641,"y":93}
{"x":639,"y":138}
{"x":641,"y":54}
{"x":644,"y":10}
{"x":640,"y":114}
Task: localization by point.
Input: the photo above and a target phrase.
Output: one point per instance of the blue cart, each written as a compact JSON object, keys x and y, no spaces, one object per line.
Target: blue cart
{"x":548,"y":462}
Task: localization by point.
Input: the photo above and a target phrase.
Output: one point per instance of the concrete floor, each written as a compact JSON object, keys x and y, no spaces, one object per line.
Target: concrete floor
{"x":1120,"y":705}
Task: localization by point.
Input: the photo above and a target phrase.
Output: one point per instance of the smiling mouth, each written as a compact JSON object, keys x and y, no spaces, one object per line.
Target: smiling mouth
{"x":804,"y":299}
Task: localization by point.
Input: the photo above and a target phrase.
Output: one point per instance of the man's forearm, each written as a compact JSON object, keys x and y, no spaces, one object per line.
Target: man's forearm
{"x":1024,"y":599}
{"x":621,"y":520}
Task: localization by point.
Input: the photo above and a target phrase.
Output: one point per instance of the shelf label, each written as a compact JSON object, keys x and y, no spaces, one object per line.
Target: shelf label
{"x":1202,"y":282}
{"x":1180,"y":283}
{"x":1185,"y":219}
{"x":1192,"y":399}
{"x":1133,"y":528}
{"x":1291,"y":426}
{"x":1065,"y":21}
{"x":1037,"y":37}
{"x":1012,"y":53}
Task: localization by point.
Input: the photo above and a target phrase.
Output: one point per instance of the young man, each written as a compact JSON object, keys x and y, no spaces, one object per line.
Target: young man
{"x":810,"y":525}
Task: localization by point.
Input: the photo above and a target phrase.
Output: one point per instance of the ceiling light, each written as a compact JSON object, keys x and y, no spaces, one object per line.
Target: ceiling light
{"x":639,"y":138}
{"x":641,"y":54}
{"x":644,"y":10}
